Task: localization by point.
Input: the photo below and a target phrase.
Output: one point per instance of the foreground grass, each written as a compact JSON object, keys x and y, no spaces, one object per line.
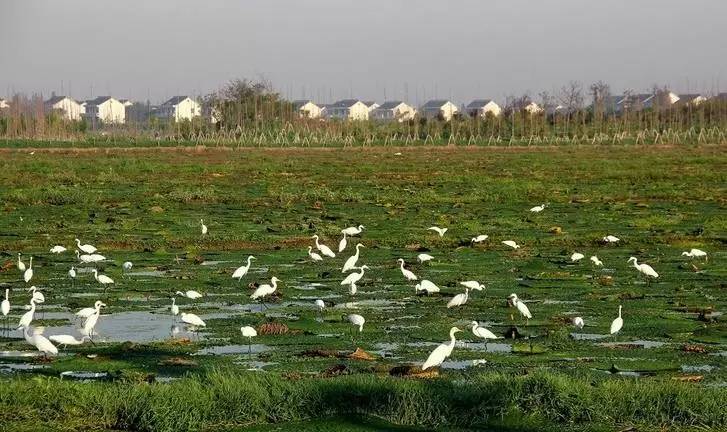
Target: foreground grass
{"x":226,"y":398}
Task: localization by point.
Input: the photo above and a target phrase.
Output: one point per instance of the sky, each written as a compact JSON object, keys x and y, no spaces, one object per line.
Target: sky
{"x":367,"y":49}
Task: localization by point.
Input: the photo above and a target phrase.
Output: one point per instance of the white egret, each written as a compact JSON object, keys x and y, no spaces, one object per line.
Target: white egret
{"x":617,"y":323}
{"x":482,"y":332}
{"x":521,"y":307}
{"x":473,"y":285}
{"x":314,"y":256}
{"x":265,"y":290}
{"x":5,"y":305}
{"x":320,"y":304}
{"x":357,"y":320}
{"x":441,"y":352}
{"x":92,"y":258}
{"x":511,"y":243}
{"x":96,"y":258}
{"x":480,"y":238}
{"x":126,"y":266}
{"x":72,"y":273}
{"x":578,"y":322}
{"x":596,"y":261}
{"x":352,"y":289}
{"x":428,"y":286}
{"x":577,"y":256}
{"x":190,"y":294}
{"x":241,"y":271}
{"x":459,"y":299}
{"x":174,"y":308}
{"x":409,"y":275}
{"x":695,"y":253}
{"x":422,"y":258}
{"x":40,"y":342}
{"x":611,"y":239}
{"x":644,"y":269}
{"x":204,"y":227}
{"x":66,"y":340}
{"x":193,"y":320}
{"x":325,"y":250}
{"x":90,"y":324}
{"x":102,"y":279}
{"x":57,"y":249}
{"x":352,"y":231}
{"x":249,"y":333}
{"x":27,"y":317}
{"x":342,"y":244}
{"x":350,"y":263}
{"x":87,"y":312}
{"x":21,"y":265}
{"x":28,"y":274}
{"x":352,"y":278}
{"x":87,"y":248}
{"x":438,"y":230}
{"x":537,"y":209}
{"x":37,"y":295}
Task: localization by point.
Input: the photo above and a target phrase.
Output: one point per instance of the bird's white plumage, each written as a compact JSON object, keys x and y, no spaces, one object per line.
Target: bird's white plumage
{"x":203,"y":227}
{"x":21,"y":265}
{"x":511,"y":243}
{"x":5,"y":305}
{"x":320,"y":304}
{"x":422,"y":257}
{"x":357,"y":320}
{"x":38,"y":296}
{"x":314,"y":256}
{"x":576,"y":256}
{"x":40,"y":342}
{"x":102,"y":279}
{"x":57,"y":249}
{"x":174,"y":308}
{"x":596,"y":261}
{"x":350,"y":263}
{"x":352,"y":231}
{"x":695,"y":253}
{"x":352,"y":278}
{"x":521,"y":307}
{"x":441,"y":352}
{"x":408,"y":274}
{"x":611,"y":239}
{"x":482,"y":332}
{"x":193,"y":320}
{"x":459,"y":299}
{"x":325,"y":250}
{"x":644,"y":268}
{"x":190,"y":294}
{"x":578,"y":322}
{"x":127,"y":265}
{"x":617,"y":323}
{"x":248,"y":332}
{"x":537,"y":209}
{"x":342,"y":244}
{"x":66,"y":339}
{"x":242,"y":270}
{"x":28,"y":273}
{"x":27,"y":317}
{"x":428,"y":286}
{"x":87,"y":248}
{"x":87,"y":312}
{"x":72,"y":272}
{"x":480,"y":238}
{"x":265,"y":290}
{"x":473,"y":285}
{"x":438,"y":230}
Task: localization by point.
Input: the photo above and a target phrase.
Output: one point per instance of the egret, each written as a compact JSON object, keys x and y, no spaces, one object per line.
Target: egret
{"x":352,"y":289}
{"x":5,"y":306}
{"x":480,"y":238}
{"x":441,"y":352}
{"x":424,"y":258}
{"x":21,"y":265}
{"x":350,"y":263}
{"x":596,"y":261}
{"x":314,"y":256}
{"x":511,"y":243}
{"x":265,"y":290}
{"x":96,"y":258}
{"x":37,"y":295}
{"x":352,"y":278}
{"x":482,"y":332}
{"x":66,"y":340}
{"x":537,"y":209}
{"x":126,"y":267}
{"x":695,"y":253}
{"x":438,"y":230}
{"x":352,"y":231}
{"x":644,"y":269}
{"x":28,"y":274}
{"x":325,"y":250}
{"x":342,"y":244}
{"x":72,"y":274}
{"x":87,"y":248}
{"x":578,"y":322}
{"x":40,"y":342}
{"x":175,"y":308}
{"x":611,"y":239}
{"x":86,"y":258}
{"x":27,"y":317}
{"x":204,"y":227}
{"x":249,"y":333}
{"x":357,"y":320}
{"x":89,"y":325}
{"x":617,"y":323}
{"x":320,"y":304}
{"x":102,"y":279}
{"x":193,"y":320}
{"x":191,"y":294}
{"x":409,"y":275}
{"x":521,"y":307}
{"x":473,"y":285}
{"x":87,"y":312}
{"x":57,"y":249}
{"x":241,"y":271}
{"x":577,"y":256}
{"x":428,"y":286}
{"x":459,"y":299}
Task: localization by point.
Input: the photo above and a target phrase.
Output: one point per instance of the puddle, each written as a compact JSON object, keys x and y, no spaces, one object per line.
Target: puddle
{"x":329,"y":335}
{"x":20,"y":354}
{"x":255,"y":365}
{"x":308,"y":286}
{"x":84,"y":294}
{"x":165,"y":379}
{"x":641,"y":343}
{"x":84,"y":375}
{"x":462,"y":364}
{"x":213,"y":263}
{"x":322,"y":297}
{"x":233,"y":349}
{"x":150,"y":273}
{"x":375,"y":304}
{"x":284,"y":316}
{"x":558,"y":302}
{"x":491,"y":347}
{"x":587,"y":336}
{"x":7,"y":368}
{"x":694,"y":369}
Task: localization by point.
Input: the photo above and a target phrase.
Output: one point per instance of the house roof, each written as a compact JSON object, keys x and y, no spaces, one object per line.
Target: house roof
{"x":689,"y":97}
{"x":55,"y":99}
{"x":436,"y":103}
{"x":479,"y":103}
{"x":176,"y":100}
{"x":370,"y":103}
{"x":98,"y":101}
{"x":302,"y":102}
{"x":346,"y":103}
{"x":390,"y":105}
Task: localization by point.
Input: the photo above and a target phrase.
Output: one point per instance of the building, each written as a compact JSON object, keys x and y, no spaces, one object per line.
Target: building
{"x":371,"y":105}
{"x":638,"y":102}
{"x":691,"y":99}
{"x":348,"y":109}
{"x":443,"y":109}
{"x":307,"y":109}
{"x":481,"y":107}
{"x":126,"y":102}
{"x":394,"y":110}
{"x":67,"y":107}
{"x":105,"y":109}
{"x":179,"y":108}
{"x":4,"y":103}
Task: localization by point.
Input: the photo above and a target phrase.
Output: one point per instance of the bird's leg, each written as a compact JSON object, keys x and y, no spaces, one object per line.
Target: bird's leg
{"x":249,"y":347}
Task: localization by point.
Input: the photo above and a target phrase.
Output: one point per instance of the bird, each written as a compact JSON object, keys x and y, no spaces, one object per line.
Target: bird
{"x":314,"y":256}
{"x":408,"y":274}
{"x":537,"y":209}
{"x":27,"y":317}
{"x":204,"y":227}
{"x":426,"y":285}
{"x":617,"y":323}
{"x":482,"y":332}
{"x":57,"y":249}
{"x":578,"y":322}
{"x":596,"y":261}
{"x":126,"y":266}
{"x":695,"y":253}
{"x":441,"y":352}
{"x":350,"y":263}
{"x":66,"y":340}
{"x":438,"y":230}
{"x":265,"y":290}
{"x":96,"y":257}
{"x":577,"y":256}
{"x":320,"y":304}
{"x":102,"y":279}
{"x":325,"y":250}
{"x":644,"y":269}
{"x":175,"y":308}
{"x":473,"y":285}
{"x":521,"y":307}
{"x":37,"y":295}
{"x":5,"y":305}
{"x":342,"y":244}
{"x":241,"y":271}
{"x":422,"y":257}
{"x":87,"y":312}
{"x":352,"y":289}
{"x":352,"y":278}
{"x":28,"y":274}
{"x":90,"y":324}
{"x":87,"y":248}
{"x":72,"y":272}
{"x":352,"y":231}
{"x":193,"y":320}
{"x":21,"y":265}
{"x":357,"y":320}
{"x":611,"y":239}
{"x":40,"y":342}
{"x":459,"y":299}
{"x":480,"y":238}
{"x":92,"y":258}
{"x":191,"y":294}
{"x":249,"y":333}
{"x":511,"y":243}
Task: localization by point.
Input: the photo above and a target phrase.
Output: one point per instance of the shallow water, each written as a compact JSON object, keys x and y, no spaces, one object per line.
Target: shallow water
{"x":84,"y":375}
{"x":233,"y":349}
{"x":641,"y":343}
{"x":588,"y":336}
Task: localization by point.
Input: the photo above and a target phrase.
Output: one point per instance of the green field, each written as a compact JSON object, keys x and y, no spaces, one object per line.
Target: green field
{"x":666,"y":368}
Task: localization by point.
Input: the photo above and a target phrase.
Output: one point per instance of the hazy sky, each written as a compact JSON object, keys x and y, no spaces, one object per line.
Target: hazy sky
{"x":370,"y":49}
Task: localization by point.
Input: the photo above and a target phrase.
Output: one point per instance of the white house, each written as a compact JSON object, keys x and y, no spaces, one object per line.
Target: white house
{"x":394,"y":110}
{"x":443,"y":109}
{"x":691,"y":99}
{"x":371,"y":105}
{"x":179,"y":108}
{"x":308,"y":109}
{"x":481,"y":107}
{"x":348,"y":109}
{"x":4,"y":103}
{"x":67,"y":107}
{"x":126,"y":102}
{"x":106,"y":109}
{"x":533,"y":108}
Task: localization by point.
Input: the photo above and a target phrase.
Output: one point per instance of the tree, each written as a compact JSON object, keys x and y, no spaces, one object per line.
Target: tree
{"x":243,"y":102}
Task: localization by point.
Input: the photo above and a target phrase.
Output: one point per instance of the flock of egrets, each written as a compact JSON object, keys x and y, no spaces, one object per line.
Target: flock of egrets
{"x":87,"y":254}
